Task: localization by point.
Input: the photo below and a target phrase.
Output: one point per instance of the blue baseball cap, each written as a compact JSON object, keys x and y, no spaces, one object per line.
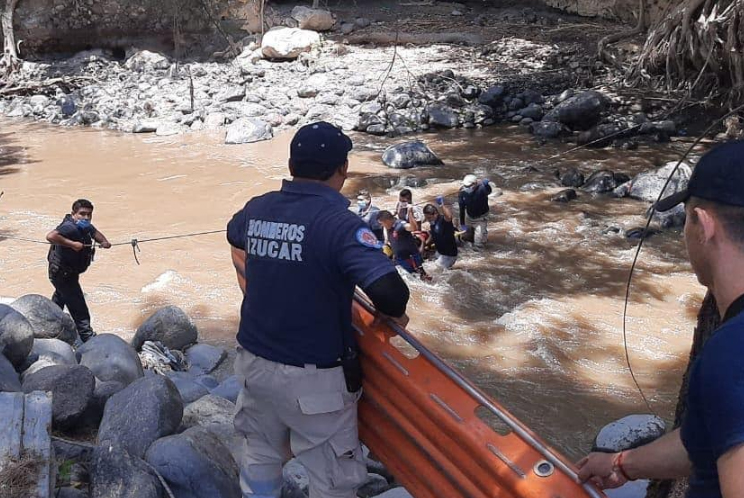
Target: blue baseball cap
{"x":717,"y":177}
{"x":318,"y":149}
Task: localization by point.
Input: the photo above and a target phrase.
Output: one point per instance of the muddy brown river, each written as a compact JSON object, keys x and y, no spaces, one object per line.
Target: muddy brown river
{"x":535,"y":320}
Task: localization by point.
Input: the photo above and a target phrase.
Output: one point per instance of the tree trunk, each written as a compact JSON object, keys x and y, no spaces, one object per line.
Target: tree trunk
{"x":708,"y":320}
{"x":10,"y":50}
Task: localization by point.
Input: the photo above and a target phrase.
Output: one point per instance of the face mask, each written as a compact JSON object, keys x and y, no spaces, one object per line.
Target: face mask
{"x":403,"y":205}
{"x":362,"y":204}
{"x":83,"y":224}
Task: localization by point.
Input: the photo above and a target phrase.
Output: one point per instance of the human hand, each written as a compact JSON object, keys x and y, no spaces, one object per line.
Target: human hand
{"x":601,"y":470}
{"x":76,"y":246}
{"x":440,"y":200}
{"x":106,"y":245}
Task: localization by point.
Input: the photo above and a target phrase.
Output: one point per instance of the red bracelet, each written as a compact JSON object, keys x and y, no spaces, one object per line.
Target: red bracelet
{"x":619,"y":465}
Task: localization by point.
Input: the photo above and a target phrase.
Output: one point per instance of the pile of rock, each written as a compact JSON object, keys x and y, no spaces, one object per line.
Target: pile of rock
{"x":177,"y":426}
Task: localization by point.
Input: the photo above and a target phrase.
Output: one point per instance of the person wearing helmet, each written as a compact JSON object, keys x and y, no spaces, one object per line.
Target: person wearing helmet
{"x":473,"y":202}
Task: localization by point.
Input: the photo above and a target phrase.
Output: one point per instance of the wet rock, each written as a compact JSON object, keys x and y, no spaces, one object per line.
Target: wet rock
{"x":410,"y":154}
{"x":147,"y":61}
{"x":481,"y":113}
{"x":110,"y":358}
{"x":470,"y":92}
{"x":367,"y":120}
{"x":72,"y":390}
{"x":46,"y":319}
{"x":443,"y":116}
{"x":16,"y":335}
{"x":101,"y":394}
{"x":204,"y":358}
{"x":646,"y":186}
{"x":600,"y":182}
{"x":400,"y":100}
{"x":629,"y":432}
{"x":492,"y":96}
{"x":195,"y":464}
{"x":377,"y":129}
{"x":566,"y":195}
{"x":362,"y":22}
{"x":581,"y":111}
{"x":288,"y":43}
{"x":572,"y":178}
{"x":146,"y":126}
{"x":117,"y":474}
{"x":147,"y":409}
{"x":48,"y":352}
{"x":546,"y":129}
{"x":9,"y":381}
{"x":169,"y":129}
{"x":67,"y":105}
{"x":675,"y":217}
{"x":214,"y":120}
{"x":208,"y":410}
{"x":640,"y":233}
{"x":621,"y":178}
{"x":189,"y":389}
{"x":410,"y":182}
{"x":313,"y":19}
{"x":248,"y":130}
{"x":170,"y":326}
{"x":347,"y":28}
{"x":533,"y":111}
{"x":229,"y":388}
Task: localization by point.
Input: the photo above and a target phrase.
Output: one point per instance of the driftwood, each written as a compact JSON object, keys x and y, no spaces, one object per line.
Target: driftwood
{"x":37,"y":86}
{"x":708,"y":320}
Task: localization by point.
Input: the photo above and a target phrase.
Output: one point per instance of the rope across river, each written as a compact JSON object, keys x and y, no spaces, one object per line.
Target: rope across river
{"x":133,"y":243}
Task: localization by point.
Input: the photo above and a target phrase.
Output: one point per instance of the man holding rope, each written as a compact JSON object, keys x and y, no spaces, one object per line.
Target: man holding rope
{"x":70,"y":255}
{"x":709,"y":446}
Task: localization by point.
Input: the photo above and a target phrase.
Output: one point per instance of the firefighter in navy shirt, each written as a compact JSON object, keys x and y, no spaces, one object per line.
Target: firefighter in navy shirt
{"x":70,"y":255}
{"x":473,"y":203}
{"x":299,"y":253}
{"x":442,"y":233}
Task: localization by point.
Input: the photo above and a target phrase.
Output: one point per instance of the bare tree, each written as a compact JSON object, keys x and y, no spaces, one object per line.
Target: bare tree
{"x":10,"y":50}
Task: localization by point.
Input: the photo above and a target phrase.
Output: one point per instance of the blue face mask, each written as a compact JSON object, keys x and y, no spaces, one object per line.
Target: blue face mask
{"x":83,"y":224}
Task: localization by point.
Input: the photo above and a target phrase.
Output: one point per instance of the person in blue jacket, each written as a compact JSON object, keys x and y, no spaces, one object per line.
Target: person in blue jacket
{"x":473,"y":204}
{"x":708,"y":448}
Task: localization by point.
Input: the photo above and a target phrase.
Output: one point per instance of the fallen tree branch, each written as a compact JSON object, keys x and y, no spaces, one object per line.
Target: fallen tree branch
{"x":39,"y":85}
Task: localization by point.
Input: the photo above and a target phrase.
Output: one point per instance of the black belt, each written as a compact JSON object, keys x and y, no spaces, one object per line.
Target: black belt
{"x":319,"y":366}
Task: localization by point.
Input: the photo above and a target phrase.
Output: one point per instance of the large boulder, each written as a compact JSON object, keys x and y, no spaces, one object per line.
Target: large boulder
{"x":110,"y":358}
{"x":410,"y":154}
{"x":600,"y":182}
{"x":492,"y":96}
{"x":101,"y":394}
{"x":114,"y":473}
{"x":204,"y":358}
{"x":46,"y":318}
{"x":147,"y":409}
{"x":9,"y":381}
{"x":443,"y":116}
{"x":215,"y":414}
{"x":629,"y":432}
{"x":189,"y":389}
{"x":546,"y":129}
{"x":72,"y":390}
{"x":170,"y":326}
{"x":646,"y":186}
{"x":581,"y":111}
{"x":229,"y":388}
{"x":572,"y":178}
{"x":287,"y":43}
{"x":145,"y":60}
{"x":248,"y":130}
{"x":48,"y":352}
{"x":16,"y":335}
{"x":313,"y":19}
{"x":195,"y":464}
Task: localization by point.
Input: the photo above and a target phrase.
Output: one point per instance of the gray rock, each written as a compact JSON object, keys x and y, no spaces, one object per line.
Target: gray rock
{"x":600,"y":182}
{"x":533,"y":111}
{"x":16,"y":335}
{"x":110,"y":358}
{"x":208,"y":410}
{"x":147,"y":61}
{"x":400,"y":100}
{"x":312,"y":19}
{"x":248,"y":130}
{"x":169,"y":129}
{"x":67,"y":105}
{"x":493,"y":96}
{"x":233,"y":93}
{"x":189,"y":389}
{"x":70,"y":492}
{"x":169,"y":325}
{"x":647,"y":185}
{"x":362,"y":22}
{"x":46,"y":319}
{"x":55,"y":350}
{"x":146,"y":126}
{"x":377,"y":129}
{"x":205,"y":358}
{"x":363,"y":93}
{"x":307,"y":92}
{"x":566,"y":195}
{"x":214,"y":120}
{"x":207,"y":381}
{"x":246,"y":109}
{"x":443,"y":116}
{"x":546,"y":129}
{"x":101,"y":394}
{"x":72,"y":390}
{"x":117,"y":474}
{"x":375,"y":485}
{"x":675,"y":217}
{"x":410,"y":154}
{"x":347,"y":28}
{"x":629,"y":432}
{"x":195,"y":464}
{"x":287,"y":43}
{"x":38,"y":101}
{"x":572,"y":178}
{"x":581,"y":111}
{"x":229,"y":388}
{"x":144,"y":411}
{"x":9,"y":381}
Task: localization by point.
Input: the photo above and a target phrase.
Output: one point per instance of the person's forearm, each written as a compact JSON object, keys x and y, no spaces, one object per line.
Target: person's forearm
{"x":54,"y":237}
{"x":389,"y":294}
{"x":665,"y":458}
{"x":238,"y":260}
{"x":447,"y":212}
{"x":100,"y":238}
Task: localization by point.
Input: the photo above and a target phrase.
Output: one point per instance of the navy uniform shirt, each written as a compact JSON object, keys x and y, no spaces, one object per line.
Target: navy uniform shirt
{"x":714,"y":420}
{"x":67,"y":258}
{"x":402,"y":241}
{"x":474,"y":201}
{"x":443,"y":234}
{"x":305,"y":253}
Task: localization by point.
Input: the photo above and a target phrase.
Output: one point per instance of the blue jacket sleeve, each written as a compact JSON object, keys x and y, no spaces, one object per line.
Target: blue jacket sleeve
{"x":360,"y":255}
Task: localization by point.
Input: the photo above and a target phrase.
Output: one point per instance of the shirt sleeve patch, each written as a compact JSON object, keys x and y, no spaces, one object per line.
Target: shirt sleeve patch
{"x":365,"y":237}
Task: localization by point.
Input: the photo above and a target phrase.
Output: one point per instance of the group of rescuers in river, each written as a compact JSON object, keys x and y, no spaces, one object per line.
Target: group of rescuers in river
{"x":299,"y":254}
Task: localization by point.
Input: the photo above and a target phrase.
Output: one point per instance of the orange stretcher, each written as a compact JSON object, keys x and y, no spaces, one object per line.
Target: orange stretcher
{"x":418,"y":417}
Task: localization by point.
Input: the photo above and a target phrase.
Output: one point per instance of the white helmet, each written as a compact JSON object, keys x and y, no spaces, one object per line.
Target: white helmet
{"x":469,"y":180}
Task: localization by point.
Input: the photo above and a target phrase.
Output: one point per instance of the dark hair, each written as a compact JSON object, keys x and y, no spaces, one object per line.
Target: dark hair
{"x":385,"y":215}
{"x":405,"y":193}
{"x":313,"y":171}
{"x":81,"y":203}
{"x":731,"y":217}
{"x":430,"y":209}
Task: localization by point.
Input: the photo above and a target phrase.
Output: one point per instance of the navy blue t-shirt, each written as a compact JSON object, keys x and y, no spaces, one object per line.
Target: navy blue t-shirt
{"x":714,"y":418}
{"x":305,"y":253}
{"x":474,"y":201}
{"x":67,"y":258}
{"x":402,"y":241}
{"x":443,"y":234}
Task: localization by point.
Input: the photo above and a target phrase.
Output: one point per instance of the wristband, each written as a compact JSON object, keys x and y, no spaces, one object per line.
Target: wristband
{"x":618,"y":464}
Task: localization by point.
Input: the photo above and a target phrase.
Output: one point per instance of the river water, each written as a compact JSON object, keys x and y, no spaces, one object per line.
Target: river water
{"x":535,"y":320}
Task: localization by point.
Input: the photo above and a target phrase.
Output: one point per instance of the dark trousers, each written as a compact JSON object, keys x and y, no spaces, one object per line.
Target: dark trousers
{"x":67,"y":292}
